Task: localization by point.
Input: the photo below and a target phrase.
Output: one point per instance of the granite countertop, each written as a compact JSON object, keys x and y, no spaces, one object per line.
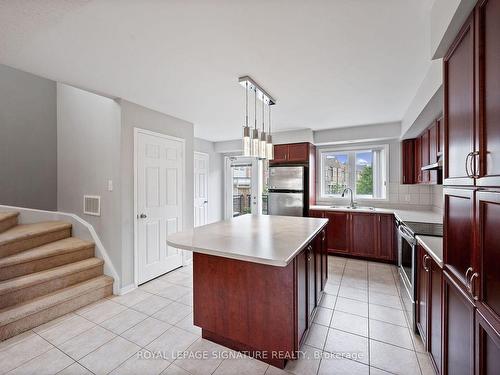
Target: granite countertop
{"x":433,"y":246}
{"x":425,"y":216}
{"x":265,"y":239}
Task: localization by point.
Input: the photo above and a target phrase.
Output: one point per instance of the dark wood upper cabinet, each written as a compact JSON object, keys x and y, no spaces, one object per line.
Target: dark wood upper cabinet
{"x":433,"y":143}
{"x":459,"y":108}
{"x":386,"y":248}
{"x":486,"y":285}
{"x":458,"y":329}
{"x":408,"y":161}
{"x":418,"y":160}
{"x":298,"y":152}
{"x":338,"y":231}
{"x":363,"y":234}
{"x":280,"y":153}
{"x":488,"y":98}
{"x":425,"y":156}
{"x":440,"y":130}
{"x":292,"y":153}
{"x":459,"y":255}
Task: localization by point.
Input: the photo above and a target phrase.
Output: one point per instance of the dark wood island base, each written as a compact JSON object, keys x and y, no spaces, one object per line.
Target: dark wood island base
{"x":261,"y":310}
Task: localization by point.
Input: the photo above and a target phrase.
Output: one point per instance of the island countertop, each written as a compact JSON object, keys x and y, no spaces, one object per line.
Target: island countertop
{"x":265,"y":239}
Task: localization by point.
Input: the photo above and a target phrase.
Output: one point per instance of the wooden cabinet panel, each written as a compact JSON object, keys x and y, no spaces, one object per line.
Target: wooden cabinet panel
{"x":298,"y":152}
{"x":487,"y":285}
{"x":433,"y":143}
{"x":488,"y":17}
{"x":458,"y":329}
{"x":301,"y":277}
{"x":311,"y":291}
{"x":386,"y":245}
{"x":418,"y":160}
{"x":363,"y":234}
{"x":459,"y":253}
{"x":423,"y":286}
{"x":424,"y":156}
{"x":280,"y":153}
{"x":317,"y":269}
{"x":487,"y":345}
{"x":324,"y":260}
{"x":440,"y":130}
{"x":459,"y":107}
{"x":435,"y":314}
{"x":316,"y":213}
{"x":408,"y":161}
{"x":338,"y":231}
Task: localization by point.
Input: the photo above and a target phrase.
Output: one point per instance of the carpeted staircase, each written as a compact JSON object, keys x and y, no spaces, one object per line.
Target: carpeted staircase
{"x":44,"y":273}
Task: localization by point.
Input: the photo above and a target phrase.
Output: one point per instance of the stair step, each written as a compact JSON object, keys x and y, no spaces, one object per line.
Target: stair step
{"x":19,"y":318}
{"x":26,"y":236}
{"x":24,"y":288}
{"x":8,"y":220}
{"x":44,"y":257}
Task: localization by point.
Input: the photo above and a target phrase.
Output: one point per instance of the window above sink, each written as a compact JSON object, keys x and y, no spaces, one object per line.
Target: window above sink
{"x":363,"y":169}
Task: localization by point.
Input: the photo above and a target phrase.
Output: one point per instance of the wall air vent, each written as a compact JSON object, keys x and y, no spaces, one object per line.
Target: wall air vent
{"x":92,"y":205}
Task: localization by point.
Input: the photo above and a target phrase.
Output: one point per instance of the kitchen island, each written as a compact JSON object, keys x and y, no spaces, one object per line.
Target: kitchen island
{"x":257,"y":281}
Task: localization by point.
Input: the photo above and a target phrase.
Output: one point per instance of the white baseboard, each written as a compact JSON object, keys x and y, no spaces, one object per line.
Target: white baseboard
{"x":126,"y":289}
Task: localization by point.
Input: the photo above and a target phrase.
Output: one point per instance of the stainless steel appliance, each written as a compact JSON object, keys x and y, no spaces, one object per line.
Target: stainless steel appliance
{"x":287,"y":185}
{"x":407,"y":261}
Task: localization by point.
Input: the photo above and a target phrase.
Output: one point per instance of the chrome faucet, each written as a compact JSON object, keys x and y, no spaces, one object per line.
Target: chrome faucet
{"x":352,"y":204}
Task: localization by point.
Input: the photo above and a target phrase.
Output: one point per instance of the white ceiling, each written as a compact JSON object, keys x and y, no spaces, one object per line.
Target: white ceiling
{"x":329,"y":64}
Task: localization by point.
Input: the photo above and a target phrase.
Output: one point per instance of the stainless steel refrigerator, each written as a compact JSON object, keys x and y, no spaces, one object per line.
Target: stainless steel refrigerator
{"x":286,"y":194}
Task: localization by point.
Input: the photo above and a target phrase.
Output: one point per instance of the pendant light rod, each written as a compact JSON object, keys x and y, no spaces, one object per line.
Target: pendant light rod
{"x":250,"y":84}
{"x":246,"y":107}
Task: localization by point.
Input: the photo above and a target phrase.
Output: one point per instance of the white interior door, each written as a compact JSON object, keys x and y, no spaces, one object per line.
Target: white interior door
{"x":159,"y":196}
{"x":200,"y":189}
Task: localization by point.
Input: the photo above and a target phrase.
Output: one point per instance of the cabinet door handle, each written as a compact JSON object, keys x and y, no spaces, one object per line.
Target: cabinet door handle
{"x":474,"y":165}
{"x":467,"y":274}
{"x":424,"y":263}
{"x":468,"y":164}
{"x":472,"y":286}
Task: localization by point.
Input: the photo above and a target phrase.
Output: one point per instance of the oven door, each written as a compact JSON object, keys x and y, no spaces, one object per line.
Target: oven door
{"x":407,"y":272}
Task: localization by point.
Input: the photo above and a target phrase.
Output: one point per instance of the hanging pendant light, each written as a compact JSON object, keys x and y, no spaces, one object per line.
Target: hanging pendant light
{"x":263,"y":137}
{"x":269,"y":144}
{"x":255,"y":132}
{"x":246,"y":128}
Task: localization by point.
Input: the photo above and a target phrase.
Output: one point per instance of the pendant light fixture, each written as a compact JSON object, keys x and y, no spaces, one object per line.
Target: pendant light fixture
{"x":255,"y":143}
{"x":269,"y":144}
{"x":255,"y":132}
{"x":246,"y":128}
{"x":263,"y":137}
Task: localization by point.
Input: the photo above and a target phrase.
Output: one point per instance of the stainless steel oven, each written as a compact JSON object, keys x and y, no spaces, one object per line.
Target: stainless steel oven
{"x":407,"y":260}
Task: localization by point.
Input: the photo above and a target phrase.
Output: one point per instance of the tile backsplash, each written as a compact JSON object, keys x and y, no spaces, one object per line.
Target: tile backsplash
{"x":421,"y":195}
{"x":437,"y":197}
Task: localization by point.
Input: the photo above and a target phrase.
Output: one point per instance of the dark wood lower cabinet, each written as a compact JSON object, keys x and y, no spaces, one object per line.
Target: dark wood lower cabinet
{"x":458,"y":329}
{"x":487,"y":344}
{"x":338,"y":231}
{"x":429,"y":305}
{"x":423,"y":294}
{"x":302,"y":288}
{"x":360,"y":234}
{"x":435,"y":315}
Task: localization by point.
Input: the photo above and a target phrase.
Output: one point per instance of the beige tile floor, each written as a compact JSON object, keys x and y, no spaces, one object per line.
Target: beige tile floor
{"x":360,"y":315}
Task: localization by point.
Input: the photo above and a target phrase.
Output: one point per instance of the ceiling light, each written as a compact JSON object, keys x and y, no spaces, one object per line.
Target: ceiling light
{"x":253,"y":144}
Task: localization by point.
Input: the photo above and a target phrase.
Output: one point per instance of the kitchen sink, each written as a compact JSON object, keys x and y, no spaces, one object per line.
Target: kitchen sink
{"x":354,"y":208}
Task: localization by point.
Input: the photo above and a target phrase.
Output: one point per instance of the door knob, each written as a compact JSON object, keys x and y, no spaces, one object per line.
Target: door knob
{"x":142,"y":216}
{"x":205,"y":202}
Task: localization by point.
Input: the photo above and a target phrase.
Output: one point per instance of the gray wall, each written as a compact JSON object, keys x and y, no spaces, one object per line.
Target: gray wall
{"x":215,"y":179}
{"x":88,"y":131}
{"x":134,"y":115}
{"x":28,"y":140}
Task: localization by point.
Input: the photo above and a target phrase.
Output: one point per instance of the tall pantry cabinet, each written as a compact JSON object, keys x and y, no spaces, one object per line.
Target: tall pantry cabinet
{"x":471,"y":286}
